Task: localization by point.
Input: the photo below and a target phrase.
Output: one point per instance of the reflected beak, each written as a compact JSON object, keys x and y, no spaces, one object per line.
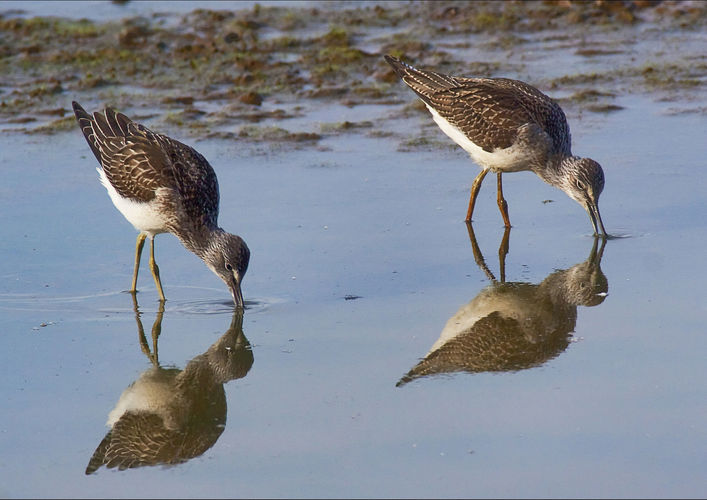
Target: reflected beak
{"x":236,"y":292}
{"x":595,"y":216}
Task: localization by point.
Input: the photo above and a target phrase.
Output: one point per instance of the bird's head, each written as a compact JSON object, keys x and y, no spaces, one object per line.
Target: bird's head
{"x":584,"y":182}
{"x":228,"y":258}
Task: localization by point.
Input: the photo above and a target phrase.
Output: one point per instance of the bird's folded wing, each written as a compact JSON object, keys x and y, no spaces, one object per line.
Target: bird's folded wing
{"x":490,"y":117}
{"x":136,"y":167}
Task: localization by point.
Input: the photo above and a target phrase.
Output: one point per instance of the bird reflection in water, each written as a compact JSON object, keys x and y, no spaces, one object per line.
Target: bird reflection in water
{"x":168,"y":416}
{"x":512,"y":326}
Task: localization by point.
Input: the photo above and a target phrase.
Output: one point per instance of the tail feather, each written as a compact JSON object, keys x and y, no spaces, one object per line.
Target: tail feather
{"x":99,"y":456}
{"x":99,"y":128}
{"x":86,"y":124}
{"x":101,"y":125}
{"x":118,"y":123}
{"x":424,"y":83}
{"x":123,"y":122}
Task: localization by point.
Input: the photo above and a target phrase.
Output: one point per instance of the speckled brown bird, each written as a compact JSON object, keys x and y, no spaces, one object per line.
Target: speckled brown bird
{"x":163,"y":186}
{"x":507,"y":126}
{"x":511,"y":326}
{"x":168,"y":416}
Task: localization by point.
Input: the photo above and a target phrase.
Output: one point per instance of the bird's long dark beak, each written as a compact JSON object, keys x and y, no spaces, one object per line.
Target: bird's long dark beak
{"x":236,"y":292}
{"x":595,"y":216}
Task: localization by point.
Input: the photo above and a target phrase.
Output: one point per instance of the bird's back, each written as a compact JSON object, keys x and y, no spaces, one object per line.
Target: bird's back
{"x":158,"y":422}
{"x":142,"y":439}
{"x":495,"y":343}
{"x":489,"y":111}
{"x":138,"y":162}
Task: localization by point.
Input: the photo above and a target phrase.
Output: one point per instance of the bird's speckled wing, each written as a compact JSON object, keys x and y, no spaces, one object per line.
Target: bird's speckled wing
{"x":494,"y":343}
{"x":140,"y":439}
{"x":485,"y":113}
{"x":136,"y":440}
{"x":195,"y":179}
{"x":489,"y":111}
{"x":134,"y":164}
{"x":138,"y":161}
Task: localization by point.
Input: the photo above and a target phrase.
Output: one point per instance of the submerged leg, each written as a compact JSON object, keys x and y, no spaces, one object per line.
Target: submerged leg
{"x":138,"y":252}
{"x":156,"y":330}
{"x":141,"y":331}
{"x":151,"y":354}
{"x":478,"y":257}
{"x":475,"y":192}
{"x":155,"y":270}
{"x":502,"y":205}
{"x":503,"y":251}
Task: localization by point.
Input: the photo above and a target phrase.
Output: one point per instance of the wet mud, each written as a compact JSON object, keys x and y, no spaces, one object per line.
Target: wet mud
{"x":247,"y":73}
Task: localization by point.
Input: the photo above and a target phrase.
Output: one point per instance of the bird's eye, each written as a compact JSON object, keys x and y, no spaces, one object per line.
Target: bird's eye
{"x":580,"y":185}
{"x":229,"y":267}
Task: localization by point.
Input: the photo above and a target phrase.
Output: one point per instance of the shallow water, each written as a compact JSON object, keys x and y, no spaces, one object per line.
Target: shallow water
{"x":360,"y":257}
{"x":619,"y":412}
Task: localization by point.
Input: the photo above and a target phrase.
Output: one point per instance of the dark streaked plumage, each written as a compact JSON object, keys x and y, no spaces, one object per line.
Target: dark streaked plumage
{"x":507,"y":126}
{"x":161,"y":185}
{"x":515,"y":326}
{"x":169,"y":416}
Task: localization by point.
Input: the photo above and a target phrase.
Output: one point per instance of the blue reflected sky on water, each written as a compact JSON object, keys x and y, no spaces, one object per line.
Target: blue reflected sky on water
{"x":98,"y":10}
{"x":619,"y":413}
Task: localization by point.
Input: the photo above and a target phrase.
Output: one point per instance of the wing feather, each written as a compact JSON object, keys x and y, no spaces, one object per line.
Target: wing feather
{"x":489,"y":111}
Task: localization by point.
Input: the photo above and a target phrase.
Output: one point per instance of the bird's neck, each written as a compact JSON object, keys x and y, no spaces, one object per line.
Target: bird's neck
{"x":556,"y":287}
{"x":197,"y":377}
{"x":556,"y":171}
{"x":197,"y":239}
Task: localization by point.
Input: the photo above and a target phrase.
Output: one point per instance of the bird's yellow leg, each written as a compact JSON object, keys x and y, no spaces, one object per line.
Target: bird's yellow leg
{"x":156,"y":330}
{"x":138,"y":252}
{"x":502,"y":205}
{"x":155,"y":270}
{"x":475,"y":192}
{"x":502,"y":252}
{"x":478,"y":256}
{"x":141,"y":331}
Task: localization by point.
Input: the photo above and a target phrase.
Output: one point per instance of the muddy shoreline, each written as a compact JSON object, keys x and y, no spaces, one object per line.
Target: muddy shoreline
{"x":243,"y":74}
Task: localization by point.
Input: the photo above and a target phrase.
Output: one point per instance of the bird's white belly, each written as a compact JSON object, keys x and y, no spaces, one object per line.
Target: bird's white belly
{"x":464,"y":319}
{"x":510,"y":159}
{"x":518,"y":303}
{"x":142,"y":216}
{"x":151,"y":393}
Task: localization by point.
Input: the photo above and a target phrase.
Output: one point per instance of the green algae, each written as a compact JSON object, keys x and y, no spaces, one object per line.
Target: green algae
{"x":309,"y":54}
{"x":272,"y":133}
{"x":425,"y":143}
{"x":332,"y":128}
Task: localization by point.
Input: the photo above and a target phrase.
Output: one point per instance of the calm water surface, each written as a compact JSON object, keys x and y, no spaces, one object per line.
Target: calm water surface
{"x":360,"y":260}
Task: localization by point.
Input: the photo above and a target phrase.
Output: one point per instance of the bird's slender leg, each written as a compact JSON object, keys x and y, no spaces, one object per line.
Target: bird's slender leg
{"x":478,"y":256}
{"x":156,"y":330}
{"x":155,"y":270}
{"x":138,"y":252}
{"x":502,"y":252}
{"x":502,"y":205}
{"x":141,"y":332}
{"x":475,"y":192}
